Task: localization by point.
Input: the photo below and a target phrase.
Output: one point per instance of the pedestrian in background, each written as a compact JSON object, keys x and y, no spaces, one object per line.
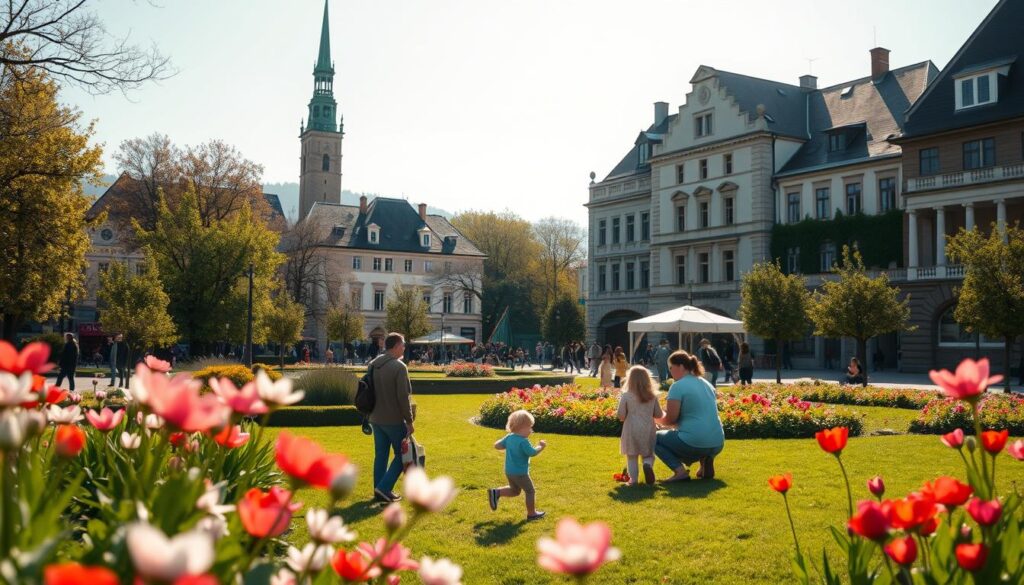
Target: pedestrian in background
{"x":68,"y":361}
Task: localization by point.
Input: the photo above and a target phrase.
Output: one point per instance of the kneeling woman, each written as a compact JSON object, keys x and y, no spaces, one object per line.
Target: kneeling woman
{"x":692,"y":408}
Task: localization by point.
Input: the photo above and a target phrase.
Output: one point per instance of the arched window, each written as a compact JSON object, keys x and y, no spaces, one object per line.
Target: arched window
{"x":327,"y":162}
{"x":953,"y":334}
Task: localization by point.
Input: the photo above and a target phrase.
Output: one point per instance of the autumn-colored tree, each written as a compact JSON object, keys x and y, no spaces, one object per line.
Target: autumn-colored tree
{"x":406,"y":312}
{"x":284,"y":322}
{"x":858,"y":306}
{"x":44,"y":155}
{"x":562,"y":248}
{"x":773,"y":305}
{"x":136,"y":306}
{"x":344,"y":324}
{"x":991,"y":299}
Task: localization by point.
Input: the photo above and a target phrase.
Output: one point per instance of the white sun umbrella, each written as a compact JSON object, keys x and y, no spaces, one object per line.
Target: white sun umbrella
{"x":443,"y":338}
{"x":685,"y":319}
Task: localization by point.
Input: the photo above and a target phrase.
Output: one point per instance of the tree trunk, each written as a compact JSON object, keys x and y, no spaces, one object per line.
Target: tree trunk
{"x":280,"y":351}
{"x":1008,"y":341}
{"x":10,"y":328}
{"x":778,"y":360}
{"x":862,"y":351}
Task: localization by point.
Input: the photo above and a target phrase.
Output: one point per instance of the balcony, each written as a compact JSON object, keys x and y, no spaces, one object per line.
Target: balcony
{"x":966,"y":178}
{"x":951,"y":271}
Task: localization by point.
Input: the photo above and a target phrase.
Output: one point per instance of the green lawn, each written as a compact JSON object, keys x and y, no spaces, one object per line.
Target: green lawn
{"x":730,"y":530}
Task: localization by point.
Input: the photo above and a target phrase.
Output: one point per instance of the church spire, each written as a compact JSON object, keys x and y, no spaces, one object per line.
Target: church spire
{"x":323,"y":61}
{"x":323,"y":109}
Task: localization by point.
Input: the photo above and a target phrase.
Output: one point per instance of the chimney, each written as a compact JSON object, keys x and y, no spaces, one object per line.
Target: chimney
{"x":362,"y":204}
{"x":423,"y":211}
{"x":808,"y":82}
{"x":879,"y":62}
{"x":660,"y":112}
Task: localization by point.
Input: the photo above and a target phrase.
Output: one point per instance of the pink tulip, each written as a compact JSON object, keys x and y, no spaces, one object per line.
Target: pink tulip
{"x":970,"y":380}
{"x":157,"y":365}
{"x":439,"y":572}
{"x":984,"y":513}
{"x":177,"y":400}
{"x":245,"y":402}
{"x":106,"y":420}
{"x":876,"y":486}
{"x":577,"y":549}
{"x":953,"y":440}
{"x":1016,"y":449}
{"x":393,"y":557}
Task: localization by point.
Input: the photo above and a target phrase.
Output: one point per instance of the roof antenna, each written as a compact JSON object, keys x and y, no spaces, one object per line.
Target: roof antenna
{"x":810,"y":65}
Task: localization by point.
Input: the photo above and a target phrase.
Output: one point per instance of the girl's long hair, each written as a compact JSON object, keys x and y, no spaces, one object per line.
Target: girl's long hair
{"x":638,"y":381}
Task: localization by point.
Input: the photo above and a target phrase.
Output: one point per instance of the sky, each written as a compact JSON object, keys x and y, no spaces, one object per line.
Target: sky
{"x":481,"y":104}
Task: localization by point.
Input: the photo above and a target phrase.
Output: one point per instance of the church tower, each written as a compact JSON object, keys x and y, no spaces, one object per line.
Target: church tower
{"x":320,"y":172}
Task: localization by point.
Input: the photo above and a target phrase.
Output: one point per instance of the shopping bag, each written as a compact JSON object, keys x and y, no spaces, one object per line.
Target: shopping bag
{"x":413,"y":453}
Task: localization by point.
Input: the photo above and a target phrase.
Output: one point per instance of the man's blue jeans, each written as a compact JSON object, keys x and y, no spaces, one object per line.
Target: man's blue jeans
{"x":387,"y":438}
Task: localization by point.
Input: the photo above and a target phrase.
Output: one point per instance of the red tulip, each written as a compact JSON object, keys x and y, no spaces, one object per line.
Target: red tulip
{"x":306,"y":461}
{"x":76,"y":574}
{"x":1016,"y":449}
{"x":55,"y":395}
{"x":869,"y":521}
{"x":69,"y":440}
{"x":911,"y":512}
{"x":32,"y":358}
{"x":392,"y":557}
{"x":970,"y":380}
{"x":353,"y":567}
{"x":984,"y":513}
{"x":833,"y":440}
{"x":876,"y":486}
{"x":971,"y":556}
{"x":231,"y":437}
{"x":266,"y":513}
{"x":948,"y":491}
{"x":932,"y":524}
{"x":902,"y":550}
{"x":781,"y":483}
{"x":994,"y":441}
{"x":954,"y":440}
{"x":177,"y":439}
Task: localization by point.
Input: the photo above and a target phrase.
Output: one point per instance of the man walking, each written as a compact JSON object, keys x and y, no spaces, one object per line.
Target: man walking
{"x":68,"y":361}
{"x":118,"y":362}
{"x":712,"y":363}
{"x":595,"y":358}
{"x":661,"y":360}
{"x":391,"y":419}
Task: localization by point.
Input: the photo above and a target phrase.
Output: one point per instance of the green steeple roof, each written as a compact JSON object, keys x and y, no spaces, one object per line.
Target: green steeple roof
{"x":323,"y":110}
{"x":323,"y":61}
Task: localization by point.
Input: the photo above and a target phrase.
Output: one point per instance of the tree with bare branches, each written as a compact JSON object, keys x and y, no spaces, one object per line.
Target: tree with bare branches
{"x":561,"y":250}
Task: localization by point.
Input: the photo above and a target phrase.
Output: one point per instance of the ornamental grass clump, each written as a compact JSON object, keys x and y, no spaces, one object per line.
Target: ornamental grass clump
{"x":946,"y":531}
{"x":469,"y":370}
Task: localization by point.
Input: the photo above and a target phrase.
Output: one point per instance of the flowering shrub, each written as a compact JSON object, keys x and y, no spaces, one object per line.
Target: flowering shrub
{"x":237,"y":373}
{"x":837,"y":394}
{"x":947,"y":531}
{"x":468,"y":370}
{"x":571,"y":410}
{"x":997,"y":411}
{"x":178,"y":488}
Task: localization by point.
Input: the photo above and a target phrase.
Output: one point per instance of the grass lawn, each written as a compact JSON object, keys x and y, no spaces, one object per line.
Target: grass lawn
{"x":729,"y":530}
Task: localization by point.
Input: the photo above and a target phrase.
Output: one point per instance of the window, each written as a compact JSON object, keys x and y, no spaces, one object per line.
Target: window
{"x":467,"y":303}
{"x":704,"y":220}
{"x":680,"y":173}
{"x":702,"y":125}
{"x":954,"y":334}
{"x":680,"y":269}
{"x":929,"y":161}
{"x":630,"y":276}
{"x":428,"y":266}
{"x":822,"y":203}
{"x":602,"y":237}
{"x":705,"y":266}
{"x":426,"y":301}
{"x":376,"y":264}
{"x":837,"y":142}
{"x":425,"y":240}
{"x":729,"y":265}
{"x":793,"y":260}
{"x":378,"y":300}
{"x":630,"y":228}
{"x":615,"y":277}
{"x":887,"y":194}
{"x":326,"y":165}
{"x":730,"y":213}
{"x":389,"y":265}
{"x":976,"y":91}
{"x":681,"y":218}
{"x":373,"y":236}
{"x":828,"y":256}
{"x":793,"y":207}
{"x":356,"y":300}
{"x":643,"y":153}
{"x":140,"y":269}
{"x":602,"y":274}
{"x":703,"y":165}
{"x":645,"y":226}
{"x":104,"y":266}
{"x":727,"y":164}
{"x":408,"y":265}
{"x":357,"y":262}
{"x":645,"y":274}
{"x":446,"y":303}
{"x":615,"y":230}
{"x":853,"y":206}
{"x":979,"y":154}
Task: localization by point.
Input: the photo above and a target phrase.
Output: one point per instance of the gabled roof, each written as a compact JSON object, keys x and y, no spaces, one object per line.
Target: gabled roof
{"x":399,"y":223}
{"x":998,"y":39}
{"x":783,"y":102}
{"x":867,"y":111}
{"x":630,"y":164}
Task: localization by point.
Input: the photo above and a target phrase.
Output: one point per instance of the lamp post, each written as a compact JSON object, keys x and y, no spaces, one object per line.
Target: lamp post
{"x":248,"y":323}
{"x":444,"y":354}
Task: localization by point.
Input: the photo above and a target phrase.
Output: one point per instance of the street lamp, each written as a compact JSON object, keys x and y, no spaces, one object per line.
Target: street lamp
{"x":248,"y":323}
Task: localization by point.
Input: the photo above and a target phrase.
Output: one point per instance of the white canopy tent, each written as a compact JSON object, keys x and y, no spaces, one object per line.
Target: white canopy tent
{"x":445,"y":338}
{"x":686,"y":319}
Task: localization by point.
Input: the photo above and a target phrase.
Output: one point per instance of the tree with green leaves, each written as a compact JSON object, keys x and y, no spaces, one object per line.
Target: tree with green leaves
{"x":564,"y":322}
{"x":773,"y":305}
{"x":406,"y":312}
{"x":136,"y":306}
{"x":858,"y":306}
{"x":344,"y":323}
{"x":205,"y":267}
{"x":284,"y":322}
{"x":991,"y":299}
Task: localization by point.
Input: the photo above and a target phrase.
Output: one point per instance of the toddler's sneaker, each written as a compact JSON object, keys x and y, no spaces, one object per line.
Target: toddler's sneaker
{"x":648,"y":474}
{"x":492,"y":498}
{"x":537,"y":516}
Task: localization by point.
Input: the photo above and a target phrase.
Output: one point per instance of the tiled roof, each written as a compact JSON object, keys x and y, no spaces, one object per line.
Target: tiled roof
{"x":399,"y":223}
{"x":630,"y":163}
{"x":870,"y":111}
{"x":998,"y":39}
{"x":783,"y":102}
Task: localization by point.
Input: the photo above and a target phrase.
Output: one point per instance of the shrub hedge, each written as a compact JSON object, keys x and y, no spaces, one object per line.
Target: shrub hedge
{"x":998,"y":412}
{"x":237,"y":373}
{"x":818,"y":391}
{"x":315,"y":416}
{"x":469,"y":370}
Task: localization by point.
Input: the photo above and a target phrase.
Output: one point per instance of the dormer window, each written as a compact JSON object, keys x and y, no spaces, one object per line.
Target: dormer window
{"x":837,"y":142}
{"x":425,"y":240}
{"x":643,"y":153}
{"x":373,"y":233}
{"x":979,"y":85}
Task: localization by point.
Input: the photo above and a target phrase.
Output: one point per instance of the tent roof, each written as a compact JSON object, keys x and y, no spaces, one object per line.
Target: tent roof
{"x":435,"y":337}
{"x":686,"y":319}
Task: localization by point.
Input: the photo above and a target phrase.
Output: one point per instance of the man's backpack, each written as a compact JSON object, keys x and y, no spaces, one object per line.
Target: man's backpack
{"x":366,"y":396}
{"x":712,"y":359}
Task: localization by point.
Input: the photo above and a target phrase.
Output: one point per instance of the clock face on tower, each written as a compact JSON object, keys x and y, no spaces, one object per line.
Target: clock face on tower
{"x":107,"y":234}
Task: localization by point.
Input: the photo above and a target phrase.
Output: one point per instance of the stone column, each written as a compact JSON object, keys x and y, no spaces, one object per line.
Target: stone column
{"x":940,"y":236}
{"x":1001,"y":216}
{"x":715,"y":261}
{"x":912,"y":243}
{"x":969,"y":211}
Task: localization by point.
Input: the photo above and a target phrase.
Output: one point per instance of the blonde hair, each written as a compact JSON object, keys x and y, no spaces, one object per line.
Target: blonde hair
{"x":638,"y":381}
{"x":517,"y":419}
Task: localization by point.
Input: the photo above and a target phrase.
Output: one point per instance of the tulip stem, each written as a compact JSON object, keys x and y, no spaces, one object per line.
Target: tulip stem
{"x":846,"y":478}
{"x":975,"y":411}
{"x":8,"y":518}
{"x":792,"y":527}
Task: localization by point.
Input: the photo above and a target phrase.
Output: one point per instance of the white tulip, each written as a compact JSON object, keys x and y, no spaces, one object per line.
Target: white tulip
{"x":283,"y":577}
{"x":154,"y":422}
{"x":130,"y":441}
{"x":16,"y":389}
{"x":209,"y":502}
{"x":157,"y":557}
{"x":11,"y":432}
{"x":278,"y":393}
{"x":64,"y":416}
{"x":426,"y":494}
{"x":327,"y":529}
{"x":311,"y":559}
{"x":214,"y":526}
{"x":439,"y":572}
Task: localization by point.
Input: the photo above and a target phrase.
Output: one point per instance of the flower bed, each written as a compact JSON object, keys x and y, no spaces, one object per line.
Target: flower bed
{"x":818,"y":391}
{"x":469,"y":370}
{"x":998,"y":412}
{"x":571,"y":410}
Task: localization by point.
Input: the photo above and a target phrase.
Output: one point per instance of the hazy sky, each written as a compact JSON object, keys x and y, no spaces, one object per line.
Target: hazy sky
{"x":479,"y":103}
